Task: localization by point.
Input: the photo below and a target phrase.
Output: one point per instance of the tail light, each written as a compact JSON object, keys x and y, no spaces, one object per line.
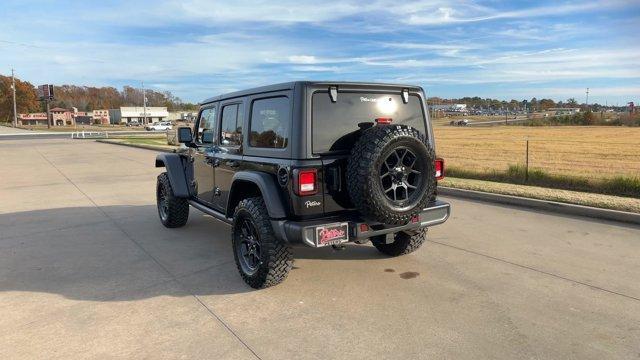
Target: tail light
{"x":305,"y":181}
{"x":439,"y":169}
{"x":383,"y":121}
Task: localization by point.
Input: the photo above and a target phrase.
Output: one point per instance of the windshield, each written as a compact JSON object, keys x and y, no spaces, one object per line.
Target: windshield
{"x":335,"y":125}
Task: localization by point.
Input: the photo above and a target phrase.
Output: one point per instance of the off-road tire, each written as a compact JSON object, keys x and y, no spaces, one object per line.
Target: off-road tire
{"x":176,"y":212}
{"x":404,"y":243}
{"x":276,"y":258}
{"x":363,"y":173}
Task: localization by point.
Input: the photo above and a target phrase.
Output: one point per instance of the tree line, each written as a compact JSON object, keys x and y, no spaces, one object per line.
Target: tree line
{"x":533,"y":104}
{"x":84,"y":98}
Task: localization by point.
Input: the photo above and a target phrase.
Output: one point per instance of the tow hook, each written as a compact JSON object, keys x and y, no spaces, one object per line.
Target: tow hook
{"x":338,"y":247}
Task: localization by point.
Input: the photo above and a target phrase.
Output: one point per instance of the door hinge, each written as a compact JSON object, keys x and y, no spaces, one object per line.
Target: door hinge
{"x":216,"y":191}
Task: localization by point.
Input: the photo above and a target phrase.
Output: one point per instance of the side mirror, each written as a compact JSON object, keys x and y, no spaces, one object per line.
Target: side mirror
{"x":184,"y":135}
{"x":207,"y":136}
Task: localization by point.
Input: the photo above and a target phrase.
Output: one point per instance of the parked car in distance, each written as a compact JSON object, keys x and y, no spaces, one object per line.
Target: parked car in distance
{"x":307,"y":164}
{"x":463,"y":122}
{"x":159,"y":126}
{"x":133,"y":123}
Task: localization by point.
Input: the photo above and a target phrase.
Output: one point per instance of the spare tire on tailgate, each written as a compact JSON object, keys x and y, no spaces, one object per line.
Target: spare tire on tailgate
{"x":391,"y":173}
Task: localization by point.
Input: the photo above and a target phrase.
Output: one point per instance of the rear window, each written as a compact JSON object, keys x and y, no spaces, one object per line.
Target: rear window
{"x":270,"y":120}
{"x":335,"y":125}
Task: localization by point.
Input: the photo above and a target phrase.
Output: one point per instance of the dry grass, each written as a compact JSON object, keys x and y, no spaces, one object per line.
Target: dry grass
{"x":597,"y":152}
{"x":535,"y":192}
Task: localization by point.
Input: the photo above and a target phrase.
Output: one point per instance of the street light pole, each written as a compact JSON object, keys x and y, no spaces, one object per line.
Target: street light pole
{"x":13,"y":87}
{"x":144,"y":106}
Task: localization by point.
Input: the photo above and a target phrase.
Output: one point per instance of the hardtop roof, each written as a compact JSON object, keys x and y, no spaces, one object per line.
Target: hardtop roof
{"x":292,"y":84}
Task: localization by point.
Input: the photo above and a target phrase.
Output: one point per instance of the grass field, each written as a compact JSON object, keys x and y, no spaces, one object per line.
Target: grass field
{"x":599,"y":159}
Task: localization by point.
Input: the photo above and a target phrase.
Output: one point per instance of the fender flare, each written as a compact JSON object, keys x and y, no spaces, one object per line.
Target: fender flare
{"x":268,"y":188}
{"x":176,"y":172}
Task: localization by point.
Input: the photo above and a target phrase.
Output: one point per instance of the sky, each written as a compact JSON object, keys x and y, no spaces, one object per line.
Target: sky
{"x":198,"y":48}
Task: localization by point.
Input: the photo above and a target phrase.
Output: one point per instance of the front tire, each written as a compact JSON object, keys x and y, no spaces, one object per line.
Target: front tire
{"x":404,"y":243}
{"x":173,"y":211}
{"x":262,"y":259}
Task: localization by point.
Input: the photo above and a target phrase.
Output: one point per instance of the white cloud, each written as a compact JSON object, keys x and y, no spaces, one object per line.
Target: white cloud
{"x":465,"y":12}
{"x":387,"y":12}
{"x":302,"y":59}
{"x":314,"y":68}
{"x":240,"y":44}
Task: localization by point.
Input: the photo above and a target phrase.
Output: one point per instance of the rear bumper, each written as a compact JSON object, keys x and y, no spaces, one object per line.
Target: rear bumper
{"x":303,"y":232}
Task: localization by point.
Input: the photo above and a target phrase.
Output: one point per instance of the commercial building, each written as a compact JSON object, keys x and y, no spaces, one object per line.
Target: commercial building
{"x":187,"y":116}
{"x":565,"y":111}
{"x":140,"y":114}
{"x":100,"y":117}
{"x":32,"y":119}
{"x":61,"y":117}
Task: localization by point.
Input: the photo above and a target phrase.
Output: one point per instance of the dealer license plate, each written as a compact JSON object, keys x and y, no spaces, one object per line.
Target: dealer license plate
{"x":332,"y":234}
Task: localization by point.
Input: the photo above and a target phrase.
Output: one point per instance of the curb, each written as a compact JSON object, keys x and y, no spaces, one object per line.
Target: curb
{"x":552,"y":206}
{"x":139,"y":146}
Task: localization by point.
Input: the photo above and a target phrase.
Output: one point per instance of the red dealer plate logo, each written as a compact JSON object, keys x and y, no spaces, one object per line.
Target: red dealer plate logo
{"x":332,"y":234}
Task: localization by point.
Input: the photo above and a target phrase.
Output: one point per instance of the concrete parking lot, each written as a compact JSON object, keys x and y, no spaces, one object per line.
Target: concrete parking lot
{"x":87,"y":271}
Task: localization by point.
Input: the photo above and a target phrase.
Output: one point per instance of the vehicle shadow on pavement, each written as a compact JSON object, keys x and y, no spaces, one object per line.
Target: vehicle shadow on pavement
{"x":120,"y":253}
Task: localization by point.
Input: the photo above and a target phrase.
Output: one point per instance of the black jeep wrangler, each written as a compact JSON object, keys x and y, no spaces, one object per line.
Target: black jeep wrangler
{"x":307,"y":163}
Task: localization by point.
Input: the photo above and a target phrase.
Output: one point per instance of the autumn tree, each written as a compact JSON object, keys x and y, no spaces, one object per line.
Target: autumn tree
{"x":87,"y":98}
{"x":546,"y":104}
{"x":26,"y":98}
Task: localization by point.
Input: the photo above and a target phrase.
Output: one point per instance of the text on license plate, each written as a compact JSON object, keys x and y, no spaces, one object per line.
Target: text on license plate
{"x":332,"y":234}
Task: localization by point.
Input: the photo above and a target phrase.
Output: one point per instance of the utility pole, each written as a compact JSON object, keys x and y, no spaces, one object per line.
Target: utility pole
{"x":13,"y":87}
{"x":587,"y":98}
{"x":49,"y":119}
{"x":144,"y":105}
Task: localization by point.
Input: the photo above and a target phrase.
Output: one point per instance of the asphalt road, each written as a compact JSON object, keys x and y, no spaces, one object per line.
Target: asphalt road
{"x":87,"y":271}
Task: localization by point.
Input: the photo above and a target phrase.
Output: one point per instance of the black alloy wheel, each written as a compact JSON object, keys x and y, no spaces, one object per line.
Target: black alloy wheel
{"x":163,"y":203}
{"x":249,"y":247}
{"x":173,"y":211}
{"x":400,"y":175}
{"x":262,"y":259}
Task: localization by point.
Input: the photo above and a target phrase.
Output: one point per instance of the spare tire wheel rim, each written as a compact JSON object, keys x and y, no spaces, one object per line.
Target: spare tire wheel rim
{"x":401,"y":177}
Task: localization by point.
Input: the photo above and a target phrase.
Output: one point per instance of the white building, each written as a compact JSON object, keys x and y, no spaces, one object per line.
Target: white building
{"x":188,"y":116}
{"x":565,"y":111}
{"x":142,"y":115}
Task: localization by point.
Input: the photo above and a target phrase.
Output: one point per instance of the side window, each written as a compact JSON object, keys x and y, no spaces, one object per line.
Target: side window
{"x":270,"y":119}
{"x":207,"y":125}
{"x":231,"y":130}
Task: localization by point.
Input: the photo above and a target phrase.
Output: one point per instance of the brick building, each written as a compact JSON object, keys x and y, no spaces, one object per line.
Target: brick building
{"x":100,"y":117}
{"x":32,"y":119}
